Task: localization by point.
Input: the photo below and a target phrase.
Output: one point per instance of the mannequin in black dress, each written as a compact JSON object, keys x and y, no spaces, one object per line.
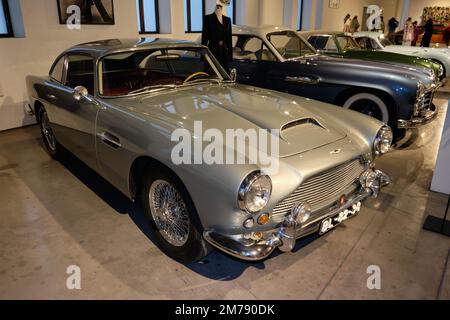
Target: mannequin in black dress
{"x":217,"y":35}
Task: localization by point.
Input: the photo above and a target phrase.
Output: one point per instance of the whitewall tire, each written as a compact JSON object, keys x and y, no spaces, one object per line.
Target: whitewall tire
{"x":368,"y":104}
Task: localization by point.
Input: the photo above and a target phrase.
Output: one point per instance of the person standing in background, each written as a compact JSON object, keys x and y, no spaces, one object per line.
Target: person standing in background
{"x":347,"y":23}
{"x":408,"y":32}
{"x":354,"y":27}
{"x":392,"y":25}
{"x":86,"y":9}
{"x":382,"y":25}
{"x":416,"y":33}
{"x":426,"y":40}
{"x":447,"y":35}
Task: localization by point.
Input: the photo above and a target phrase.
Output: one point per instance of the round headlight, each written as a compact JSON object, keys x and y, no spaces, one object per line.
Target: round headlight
{"x":383,"y":141}
{"x":255,"y":192}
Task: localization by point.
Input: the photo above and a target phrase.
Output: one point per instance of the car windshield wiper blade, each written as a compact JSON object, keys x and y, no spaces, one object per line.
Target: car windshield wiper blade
{"x":155,"y":88}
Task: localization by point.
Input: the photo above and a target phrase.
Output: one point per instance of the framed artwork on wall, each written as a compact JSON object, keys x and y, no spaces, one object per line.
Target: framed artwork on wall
{"x":92,"y":11}
{"x":334,"y":4}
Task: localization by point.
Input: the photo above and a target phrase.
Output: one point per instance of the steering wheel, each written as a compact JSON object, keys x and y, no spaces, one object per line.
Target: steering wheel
{"x":195,"y":75}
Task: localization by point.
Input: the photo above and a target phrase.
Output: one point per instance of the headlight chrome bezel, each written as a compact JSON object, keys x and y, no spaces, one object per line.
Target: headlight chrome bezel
{"x":245,"y":189}
{"x":383,"y":141}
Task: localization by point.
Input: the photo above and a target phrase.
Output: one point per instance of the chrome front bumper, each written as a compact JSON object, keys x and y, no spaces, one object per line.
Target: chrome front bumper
{"x":287,"y":233}
{"x":421,"y":120}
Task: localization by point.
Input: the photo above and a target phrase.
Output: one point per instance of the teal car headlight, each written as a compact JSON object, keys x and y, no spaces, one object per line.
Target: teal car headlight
{"x":255,"y":192}
{"x":383,"y":141}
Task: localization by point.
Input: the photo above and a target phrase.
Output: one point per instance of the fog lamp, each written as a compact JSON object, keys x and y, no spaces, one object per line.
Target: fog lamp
{"x":302,"y":212}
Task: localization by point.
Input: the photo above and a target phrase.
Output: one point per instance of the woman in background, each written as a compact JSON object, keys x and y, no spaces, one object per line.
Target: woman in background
{"x":408,"y":32}
{"x":426,"y":40}
{"x":347,"y":23}
{"x":354,"y":27}
{"x":416,"y":33}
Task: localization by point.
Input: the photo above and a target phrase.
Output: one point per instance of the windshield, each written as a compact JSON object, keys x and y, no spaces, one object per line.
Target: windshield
{"x":157,"y":69}
{"x":347,"y":43}
{"x":290,"y":45}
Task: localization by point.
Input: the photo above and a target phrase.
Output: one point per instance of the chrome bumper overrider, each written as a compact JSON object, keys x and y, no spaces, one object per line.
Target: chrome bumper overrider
{"x":285,"y":236}
{"x":415,"y":122}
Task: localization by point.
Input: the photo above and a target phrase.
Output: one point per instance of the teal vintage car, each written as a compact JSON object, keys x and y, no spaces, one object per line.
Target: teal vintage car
{"x":340,"y":44}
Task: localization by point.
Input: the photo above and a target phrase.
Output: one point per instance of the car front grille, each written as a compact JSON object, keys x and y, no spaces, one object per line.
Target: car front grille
{"x":424,"y":104}
{"x":324,"y":189}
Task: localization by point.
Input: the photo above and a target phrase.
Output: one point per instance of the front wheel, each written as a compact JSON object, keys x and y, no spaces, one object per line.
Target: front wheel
{"x":172,"y":216}
{"x":370,"y":105}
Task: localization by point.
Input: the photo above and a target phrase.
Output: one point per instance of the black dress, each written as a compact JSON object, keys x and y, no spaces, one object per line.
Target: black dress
{"x":218,"y":37}
{"x":426,"y":40}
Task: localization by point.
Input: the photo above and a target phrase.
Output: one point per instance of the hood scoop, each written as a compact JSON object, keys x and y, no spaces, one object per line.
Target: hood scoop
{"x":303,"y":128}
{"x":301,"y":122}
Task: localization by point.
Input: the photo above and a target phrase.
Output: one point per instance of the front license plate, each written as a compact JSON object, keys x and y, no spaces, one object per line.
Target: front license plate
{"x":330,"y":223}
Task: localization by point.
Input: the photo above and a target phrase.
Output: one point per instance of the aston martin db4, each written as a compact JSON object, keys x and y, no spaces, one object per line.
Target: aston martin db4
{"x":116,"y":105}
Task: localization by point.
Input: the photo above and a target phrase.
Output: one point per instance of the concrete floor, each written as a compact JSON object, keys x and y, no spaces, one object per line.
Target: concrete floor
{"x":55,"y":215}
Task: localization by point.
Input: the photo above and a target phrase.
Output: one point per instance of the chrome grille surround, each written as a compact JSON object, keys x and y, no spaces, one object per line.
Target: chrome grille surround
{"x":325,"y":189}
{"x":424,"y":103}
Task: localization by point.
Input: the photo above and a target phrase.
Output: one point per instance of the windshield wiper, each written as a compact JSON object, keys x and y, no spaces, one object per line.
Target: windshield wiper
{"x":155,"y":88}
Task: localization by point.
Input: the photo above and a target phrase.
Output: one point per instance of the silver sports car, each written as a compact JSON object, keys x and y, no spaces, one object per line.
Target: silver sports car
{"x":124,"y":107}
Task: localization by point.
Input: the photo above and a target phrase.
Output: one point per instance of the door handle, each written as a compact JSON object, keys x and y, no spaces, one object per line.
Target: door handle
{"x":110,"y":140}
{"x":51,"y":96}
{"x":300,"y":79}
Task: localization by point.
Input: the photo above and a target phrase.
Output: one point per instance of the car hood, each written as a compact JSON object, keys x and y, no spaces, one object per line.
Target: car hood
{"x":375,"y":68}
{"x":417,"y":50}
{"x":223,"y":107}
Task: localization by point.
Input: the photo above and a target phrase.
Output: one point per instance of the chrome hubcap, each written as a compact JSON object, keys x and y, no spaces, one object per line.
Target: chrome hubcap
{"x":169,"y":213}
{"x":48,"y":132}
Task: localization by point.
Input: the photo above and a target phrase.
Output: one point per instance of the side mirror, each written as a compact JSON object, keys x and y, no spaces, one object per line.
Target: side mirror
{"x":79,"y":93}
{"x":233,"y":74}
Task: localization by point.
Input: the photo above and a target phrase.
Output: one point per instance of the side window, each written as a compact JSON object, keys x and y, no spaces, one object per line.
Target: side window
{"x":364,"y":43}
{"x":251,"y":49}
{"x":80,"y":72}
{"x":318,"y":42}
{"x":57,"y":73}
{"x":331,"y":46}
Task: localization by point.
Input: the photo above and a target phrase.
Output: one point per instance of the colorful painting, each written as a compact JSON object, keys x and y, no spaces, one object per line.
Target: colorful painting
{"x":440,"y":15}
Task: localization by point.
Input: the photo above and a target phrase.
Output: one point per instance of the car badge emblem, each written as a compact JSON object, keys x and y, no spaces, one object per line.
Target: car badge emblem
{"x":337,"y":151}
{"x":342,"y":200}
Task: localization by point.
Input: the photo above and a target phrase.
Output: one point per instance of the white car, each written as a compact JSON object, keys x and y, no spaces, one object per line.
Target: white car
{"x":378,"y":41}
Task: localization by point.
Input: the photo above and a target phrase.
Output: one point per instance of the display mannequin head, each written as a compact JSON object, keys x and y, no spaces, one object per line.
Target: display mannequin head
{"x":219,"y":9}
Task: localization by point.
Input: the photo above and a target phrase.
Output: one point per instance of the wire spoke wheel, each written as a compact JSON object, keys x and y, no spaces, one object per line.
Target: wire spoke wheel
{"x":48,"y":132}
{"x":169,"y":213}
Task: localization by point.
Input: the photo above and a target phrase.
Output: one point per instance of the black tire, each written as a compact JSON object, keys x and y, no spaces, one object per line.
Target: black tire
{"x":195,"y":247}
{"x":52,"y":146}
